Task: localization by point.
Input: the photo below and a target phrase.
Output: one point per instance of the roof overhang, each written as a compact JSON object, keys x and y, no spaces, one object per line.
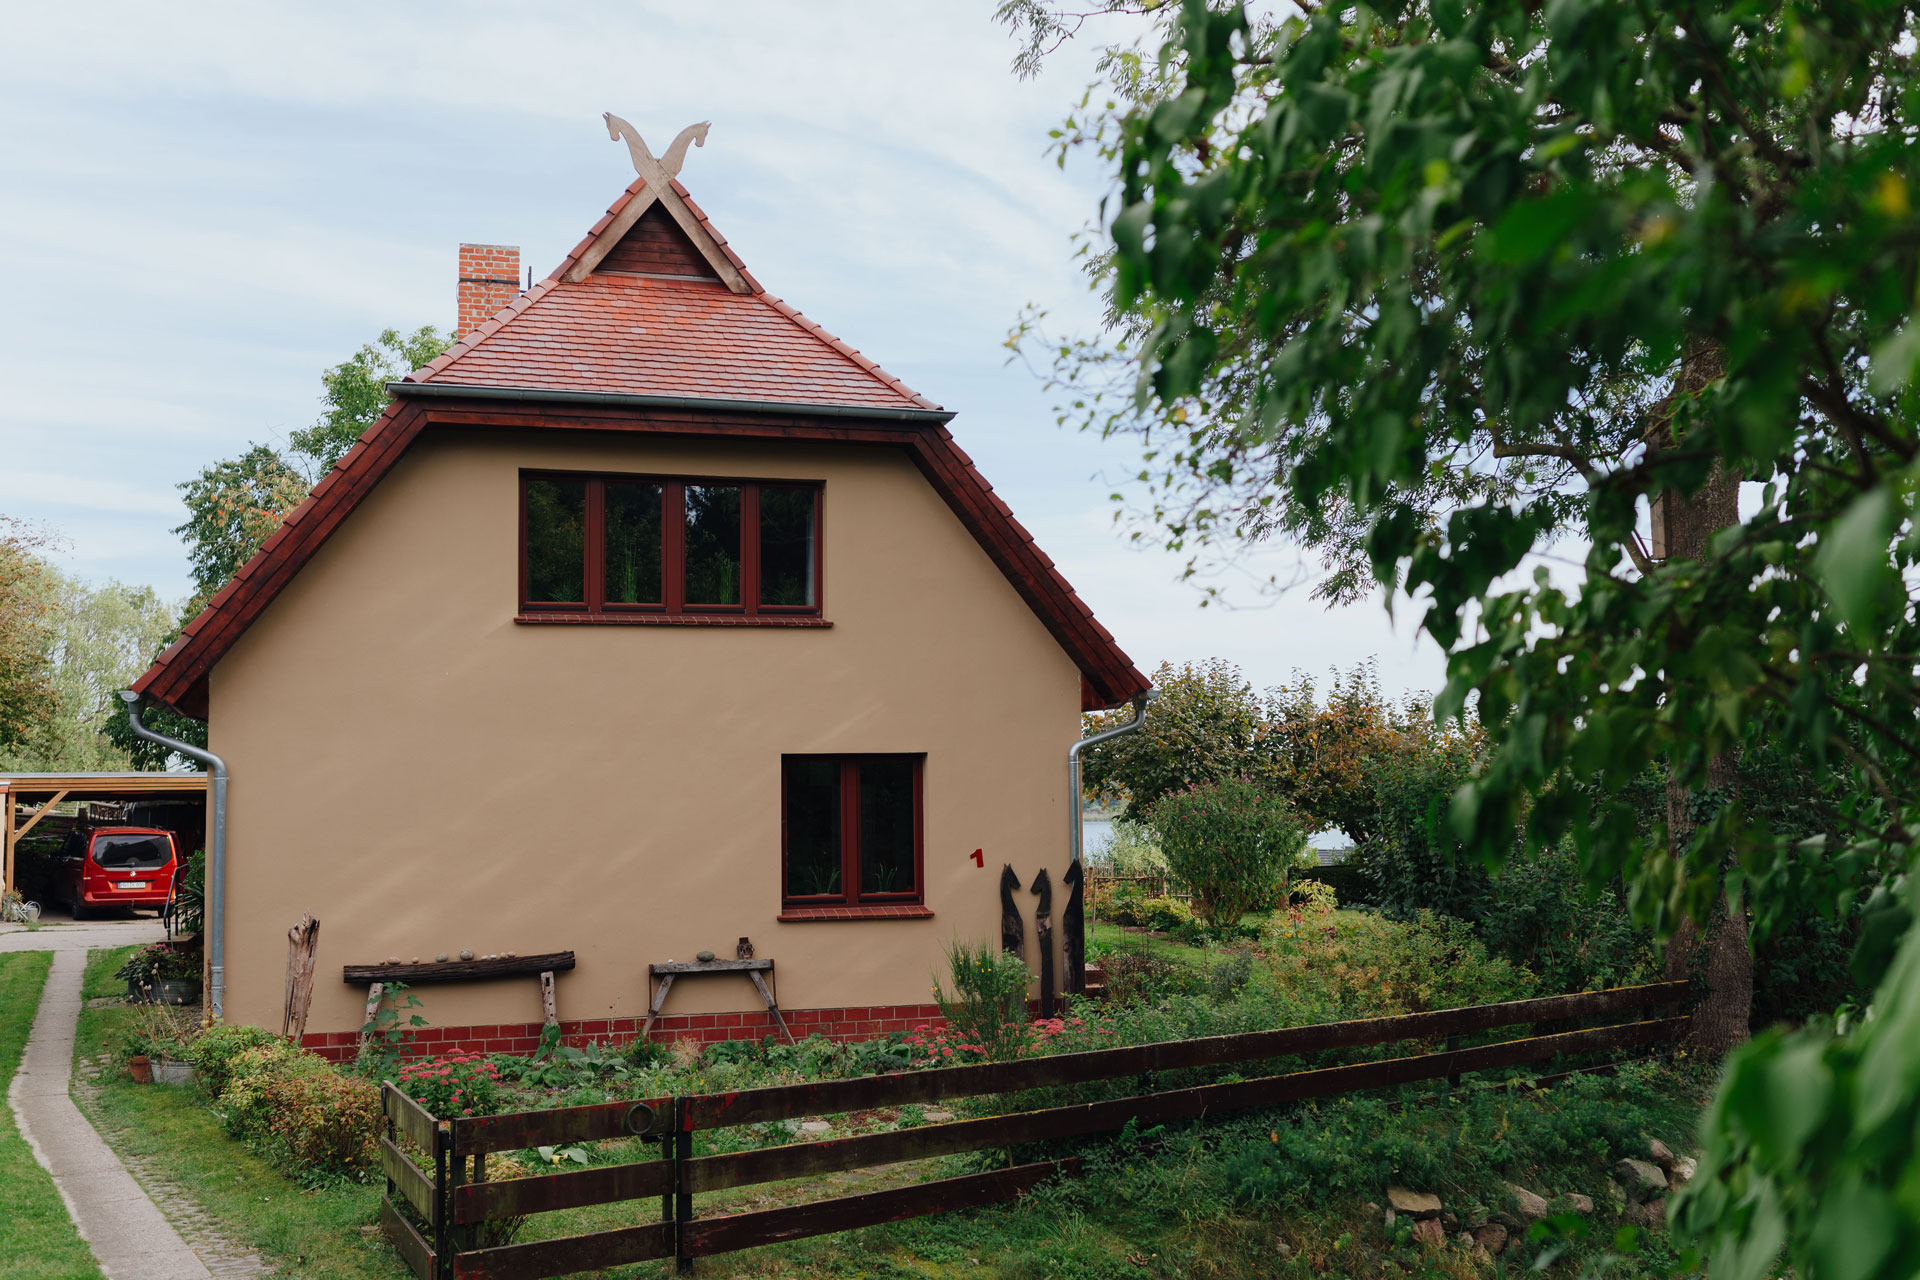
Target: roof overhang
{"x":707,"y":404}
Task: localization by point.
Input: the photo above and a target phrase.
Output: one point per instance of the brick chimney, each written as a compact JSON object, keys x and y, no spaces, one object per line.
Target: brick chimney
{"x":489,"y":280}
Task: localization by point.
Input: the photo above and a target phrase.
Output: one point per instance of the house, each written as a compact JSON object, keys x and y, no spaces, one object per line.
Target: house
{"x":649,"y":618}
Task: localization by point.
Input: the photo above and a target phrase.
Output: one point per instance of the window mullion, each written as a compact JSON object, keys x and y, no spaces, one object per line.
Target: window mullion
{"x":673,"y":542}
{"x":750,"y":549}
{"x":594,"y":570}
{"x":850,"y":827}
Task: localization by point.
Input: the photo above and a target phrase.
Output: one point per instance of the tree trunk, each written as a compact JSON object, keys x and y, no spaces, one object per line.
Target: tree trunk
{"x":1723,"y":959}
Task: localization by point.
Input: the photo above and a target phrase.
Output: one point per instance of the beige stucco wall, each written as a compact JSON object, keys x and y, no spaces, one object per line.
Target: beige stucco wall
{"x":425,"y":775}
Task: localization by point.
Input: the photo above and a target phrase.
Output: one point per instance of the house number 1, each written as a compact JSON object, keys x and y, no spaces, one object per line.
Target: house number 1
{"x":979,"y":857}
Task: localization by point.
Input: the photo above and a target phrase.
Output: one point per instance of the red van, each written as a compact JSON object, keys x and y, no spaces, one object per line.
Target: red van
{"x":101,"y":867}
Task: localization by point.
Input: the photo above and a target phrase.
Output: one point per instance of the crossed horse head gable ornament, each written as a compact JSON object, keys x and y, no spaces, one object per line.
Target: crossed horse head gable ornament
{"x":661,"y":171}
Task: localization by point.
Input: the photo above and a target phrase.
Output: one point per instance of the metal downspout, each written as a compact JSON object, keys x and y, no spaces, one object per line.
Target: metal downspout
{"x":216,"y":924}
{"x":1075,"y":833}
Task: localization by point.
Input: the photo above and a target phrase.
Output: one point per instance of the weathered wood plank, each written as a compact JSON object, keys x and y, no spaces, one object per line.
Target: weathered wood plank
{"x":409,"y":1116}
{"x":745,"y":1230}
{"x":407,"y":1242}
{"x":566,"y":1255}
{"x":410,"y":1182}
{"x":773,"y":1164}
{"x":520,"y":1129}
{"x":543,"y":1193}
{"x":712,"y":966}
{"x":826,"y":1097}
{"x":458,"y":970}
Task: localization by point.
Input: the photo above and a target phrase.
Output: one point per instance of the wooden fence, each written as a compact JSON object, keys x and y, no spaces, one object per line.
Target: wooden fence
{"x":456,"y":1203}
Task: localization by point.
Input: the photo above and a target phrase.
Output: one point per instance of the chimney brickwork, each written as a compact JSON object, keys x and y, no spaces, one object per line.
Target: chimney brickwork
{"x":489,"y":280}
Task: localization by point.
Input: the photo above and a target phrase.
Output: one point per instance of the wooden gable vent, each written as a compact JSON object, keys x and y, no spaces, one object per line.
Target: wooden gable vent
{"x":656,"y":246}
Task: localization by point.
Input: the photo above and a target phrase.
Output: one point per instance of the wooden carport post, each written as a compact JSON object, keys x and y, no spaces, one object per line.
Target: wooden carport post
{"x":6,"y":836}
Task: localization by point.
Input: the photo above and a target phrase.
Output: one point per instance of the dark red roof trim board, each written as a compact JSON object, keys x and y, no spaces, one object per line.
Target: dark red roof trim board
{"x":631,"y":352}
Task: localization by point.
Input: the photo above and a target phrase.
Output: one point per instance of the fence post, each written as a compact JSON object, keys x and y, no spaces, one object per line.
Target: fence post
{"x":1453,"y":1081}
{"x":443,"y":1245}
{"x":682,"y":1193}
{"x":452,"y":1176}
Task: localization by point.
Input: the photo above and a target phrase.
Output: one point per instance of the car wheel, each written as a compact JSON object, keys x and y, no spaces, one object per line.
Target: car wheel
{"x":79,"y":908}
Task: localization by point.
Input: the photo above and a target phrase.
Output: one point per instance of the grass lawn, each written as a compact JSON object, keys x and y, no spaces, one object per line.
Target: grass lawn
{"x":329,"y":1232}
{"x":37,"y":1238}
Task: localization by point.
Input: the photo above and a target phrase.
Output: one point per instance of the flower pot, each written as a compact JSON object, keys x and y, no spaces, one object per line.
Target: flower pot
{"x":141,"y":1068}
{"x":172,"y":1071}
{"x":177,"y":991}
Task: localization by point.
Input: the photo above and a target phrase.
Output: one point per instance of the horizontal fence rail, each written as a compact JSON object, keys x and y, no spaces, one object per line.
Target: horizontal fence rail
{"x":456,"y":1200}
{"x":828,"y":1097}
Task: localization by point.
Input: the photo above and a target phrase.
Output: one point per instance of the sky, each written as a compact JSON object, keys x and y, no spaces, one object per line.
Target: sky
{"x":202,"y":205}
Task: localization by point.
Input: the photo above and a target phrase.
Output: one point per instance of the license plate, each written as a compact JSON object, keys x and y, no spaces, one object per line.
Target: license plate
{"x":131,"y":884}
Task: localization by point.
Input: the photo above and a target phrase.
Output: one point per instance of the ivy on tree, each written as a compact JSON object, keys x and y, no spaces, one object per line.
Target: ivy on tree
{"x":1438,"y":288}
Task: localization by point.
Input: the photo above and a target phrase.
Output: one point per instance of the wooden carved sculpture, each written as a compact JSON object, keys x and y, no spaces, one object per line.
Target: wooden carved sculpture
{"x":657,"y":172}
{"x":1043,"y":936}
{"x":1073,"y":923}
{"x":1013,"y":930}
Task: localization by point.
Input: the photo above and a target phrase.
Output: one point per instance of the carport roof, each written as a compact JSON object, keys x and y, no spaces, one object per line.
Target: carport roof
{"x":101,"y":786}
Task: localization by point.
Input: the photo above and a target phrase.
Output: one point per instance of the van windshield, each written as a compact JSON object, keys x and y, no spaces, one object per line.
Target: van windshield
{"x":117,"y":853}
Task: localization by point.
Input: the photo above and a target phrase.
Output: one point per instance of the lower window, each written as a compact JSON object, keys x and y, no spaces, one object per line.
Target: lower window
{"x":850,"y":830}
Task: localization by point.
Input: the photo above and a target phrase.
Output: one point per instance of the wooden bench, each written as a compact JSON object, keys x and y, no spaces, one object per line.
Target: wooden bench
{"x":375,"y":977}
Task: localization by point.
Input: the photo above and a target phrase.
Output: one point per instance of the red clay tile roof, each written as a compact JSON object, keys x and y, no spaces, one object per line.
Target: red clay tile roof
{"x":672,"y":343}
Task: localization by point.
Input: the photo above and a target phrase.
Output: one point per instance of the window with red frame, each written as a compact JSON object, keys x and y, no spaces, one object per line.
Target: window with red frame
{"x":637,"y":545}
{"x":850,"y":830}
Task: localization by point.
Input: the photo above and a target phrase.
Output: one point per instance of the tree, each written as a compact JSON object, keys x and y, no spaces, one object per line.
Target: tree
{"x":1202,"y":728}
{"x":355,"y":392}
{"x":233,"y":507}
{"x":98,"y":639}
{"x":1230,"y":841}
{"x":1436,"y":286}
{"x":26,"y":686}
{"x":1324,"y":756}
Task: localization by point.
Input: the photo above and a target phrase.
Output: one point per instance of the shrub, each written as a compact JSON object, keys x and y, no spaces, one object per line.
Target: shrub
{"x":214,"y":1052}
{"x":328,"y":1121}
{"x":1345,"y":965}
{"x":988,"y":1007}
{"x":257,"y":1075}
{"x":1230,"y":843}
{"x":461,"y":1084}
{"x":160,"y":960}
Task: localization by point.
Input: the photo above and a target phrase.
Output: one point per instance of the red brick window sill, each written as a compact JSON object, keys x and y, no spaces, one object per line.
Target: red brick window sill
{"x":875,"y":911}
{"x":668,"y":620}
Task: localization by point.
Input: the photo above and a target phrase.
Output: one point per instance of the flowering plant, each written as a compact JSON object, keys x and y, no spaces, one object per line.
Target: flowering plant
{"x":460,"y":1084}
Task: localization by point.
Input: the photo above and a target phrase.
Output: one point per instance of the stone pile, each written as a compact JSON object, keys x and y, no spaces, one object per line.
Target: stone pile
{"x":1639,"y":1189}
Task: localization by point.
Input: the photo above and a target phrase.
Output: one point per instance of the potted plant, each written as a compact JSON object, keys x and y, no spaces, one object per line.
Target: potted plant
{"x":155,"y":1048}
{"x":162,"y":974}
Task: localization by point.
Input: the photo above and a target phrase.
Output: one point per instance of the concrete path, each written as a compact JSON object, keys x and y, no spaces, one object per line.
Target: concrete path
{"x":80,"y":937}
{"x":130,"y":1238}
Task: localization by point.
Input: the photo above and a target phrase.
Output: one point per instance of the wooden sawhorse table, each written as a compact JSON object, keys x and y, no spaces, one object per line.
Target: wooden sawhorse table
{"x":666,"y":973}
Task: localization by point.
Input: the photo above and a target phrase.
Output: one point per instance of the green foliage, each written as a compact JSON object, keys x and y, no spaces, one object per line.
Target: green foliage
{"x":215,"y":1050}
{"x":988,"y":1003}
{"x":232,"y":507}
{"x":97,"y":640}
{"x":1429,"y":286}
{"x":1336,"y":965}
{"x":1230,"y":842}
{"x":1538,"y":912}
{"x":1163,"y":915}
{"x":355,"y":391}
{"x":26,"y":684}
{"x":1482,"y":1138}
{"x":1133,"y":849}
{"x":1411,"y":856}
{"x":1202,"y":728}
{"x":301,"y":1111}
{"x":160,"y":960}
{"x":387,"y":1035}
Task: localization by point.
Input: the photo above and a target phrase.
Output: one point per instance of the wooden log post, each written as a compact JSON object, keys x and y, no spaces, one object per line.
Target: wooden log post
{"x":546,"y":998}
{"x":302,"y":940}
{"x":374,"y":992}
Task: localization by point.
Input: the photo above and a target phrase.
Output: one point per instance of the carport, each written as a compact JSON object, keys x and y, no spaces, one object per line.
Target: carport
{"x":45,"y":790}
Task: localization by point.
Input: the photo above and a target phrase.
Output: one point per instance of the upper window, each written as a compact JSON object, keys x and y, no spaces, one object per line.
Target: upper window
{"x":639,"y":545}
{"x":850,"y":829}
